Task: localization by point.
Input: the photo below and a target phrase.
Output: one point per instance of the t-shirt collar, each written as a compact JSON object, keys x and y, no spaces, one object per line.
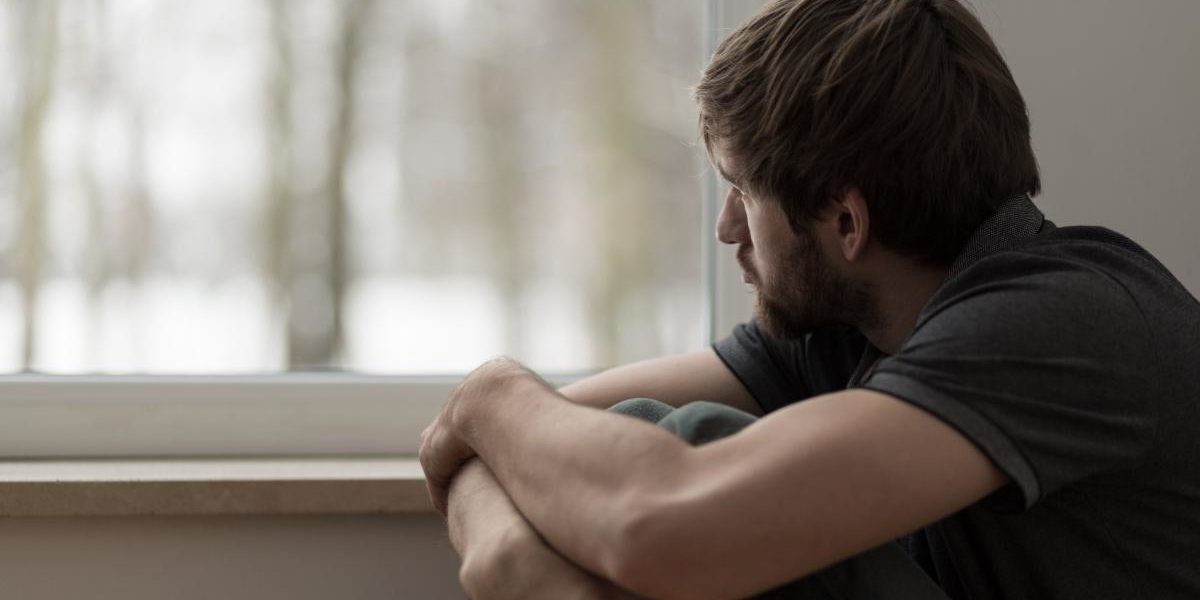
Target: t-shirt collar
{"x":1016,"y":219}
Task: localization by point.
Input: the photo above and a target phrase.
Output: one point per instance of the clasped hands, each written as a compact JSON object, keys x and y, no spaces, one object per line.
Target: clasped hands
{"x":444,"y":447}
{"x":504,"y":559}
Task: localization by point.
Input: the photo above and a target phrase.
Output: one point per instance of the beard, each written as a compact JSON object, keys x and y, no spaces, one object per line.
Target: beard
{"x":804,"y":293}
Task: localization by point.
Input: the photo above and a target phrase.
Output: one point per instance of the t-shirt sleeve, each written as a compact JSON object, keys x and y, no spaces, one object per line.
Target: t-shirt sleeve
{"x":1044,"y":363}
{"x":779,"y":372}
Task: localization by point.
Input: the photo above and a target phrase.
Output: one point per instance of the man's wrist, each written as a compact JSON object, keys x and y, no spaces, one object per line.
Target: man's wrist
{"x":467,"y":482}
{"x":475,"y":507}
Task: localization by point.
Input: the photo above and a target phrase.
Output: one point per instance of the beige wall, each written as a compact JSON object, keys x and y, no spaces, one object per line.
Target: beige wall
{"x":1113,"y":89}
{"x":227,"y":558}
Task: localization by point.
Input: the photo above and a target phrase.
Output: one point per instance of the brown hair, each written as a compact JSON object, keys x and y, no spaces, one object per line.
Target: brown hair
{"x":908,"y":100}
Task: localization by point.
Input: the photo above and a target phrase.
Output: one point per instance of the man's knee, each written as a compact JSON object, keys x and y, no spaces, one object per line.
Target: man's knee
{"x":702,"y":422}
{"x":696,"y":422}
{"x":643,"y":408}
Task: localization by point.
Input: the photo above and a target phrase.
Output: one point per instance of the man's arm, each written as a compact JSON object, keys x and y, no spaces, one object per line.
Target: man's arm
{"x":493,"y":538}
{"x":675,"y":380}
{"x":807,"y":486}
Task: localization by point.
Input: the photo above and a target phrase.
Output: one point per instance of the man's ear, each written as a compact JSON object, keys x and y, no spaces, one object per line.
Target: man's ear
{"x":853,"y":223}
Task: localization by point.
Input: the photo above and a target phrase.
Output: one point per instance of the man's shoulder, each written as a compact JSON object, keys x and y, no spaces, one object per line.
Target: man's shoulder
{"x":1091,"y":248}
{"x":1093,"y":268}
{"x":1074,"y":287}
{"x":1089,"y":263}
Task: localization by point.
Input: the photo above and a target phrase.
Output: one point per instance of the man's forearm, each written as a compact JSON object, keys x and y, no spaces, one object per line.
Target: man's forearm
{"x":503,"y":557}
{"x":675,"y":380}
{"x":479,"y":509}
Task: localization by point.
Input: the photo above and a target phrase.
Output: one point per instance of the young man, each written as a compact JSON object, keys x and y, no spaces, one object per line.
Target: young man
{"x":957,"y":398}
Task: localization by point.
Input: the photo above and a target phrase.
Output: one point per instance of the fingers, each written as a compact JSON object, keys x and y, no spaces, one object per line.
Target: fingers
{"x":435,"y":481}
{"x":442,"y":454}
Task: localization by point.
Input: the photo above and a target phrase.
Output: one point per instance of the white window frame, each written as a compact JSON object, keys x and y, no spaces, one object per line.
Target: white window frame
{"x":299,"y":414}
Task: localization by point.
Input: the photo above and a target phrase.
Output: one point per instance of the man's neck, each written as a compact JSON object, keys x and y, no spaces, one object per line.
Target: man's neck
{"x":902,"y":293}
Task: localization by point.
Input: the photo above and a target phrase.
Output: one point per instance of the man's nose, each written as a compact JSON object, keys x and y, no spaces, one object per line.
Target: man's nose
{"x":731,"y":223}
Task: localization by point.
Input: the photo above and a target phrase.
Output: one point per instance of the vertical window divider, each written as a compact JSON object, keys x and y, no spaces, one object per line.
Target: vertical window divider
{"x":711,"y":24}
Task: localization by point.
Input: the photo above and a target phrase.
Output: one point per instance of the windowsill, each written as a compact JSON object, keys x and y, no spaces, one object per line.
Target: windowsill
{"x":212,"y":486}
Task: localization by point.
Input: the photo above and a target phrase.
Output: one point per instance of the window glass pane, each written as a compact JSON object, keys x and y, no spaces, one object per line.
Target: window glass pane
{"x":387,"y":186}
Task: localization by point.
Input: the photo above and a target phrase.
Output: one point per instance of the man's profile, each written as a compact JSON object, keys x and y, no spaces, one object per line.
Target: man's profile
{"x":943,"y":394}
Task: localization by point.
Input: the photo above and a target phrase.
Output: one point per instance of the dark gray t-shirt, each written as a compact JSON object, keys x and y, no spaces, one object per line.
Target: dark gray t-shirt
{"x":1071,"y":357}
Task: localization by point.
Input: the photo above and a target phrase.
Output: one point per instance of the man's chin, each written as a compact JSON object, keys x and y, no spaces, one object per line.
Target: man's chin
{"x":777,"y":322}
{"x":787,"y":323}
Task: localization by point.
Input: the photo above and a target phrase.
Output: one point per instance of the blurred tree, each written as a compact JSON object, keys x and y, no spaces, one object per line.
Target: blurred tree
{"x":325,"y":349}
{"x":277,"y":214}
{"x":94,"y":77}
{"x":133,"y":229}
{"x":119,"y":217}
{"x":617,"y":303}
{"x":39,"y":41}
{"x":438,"y":197}
{"x":499,"y":87}
{"x":313,"y":281}
{"x":93,"y":56}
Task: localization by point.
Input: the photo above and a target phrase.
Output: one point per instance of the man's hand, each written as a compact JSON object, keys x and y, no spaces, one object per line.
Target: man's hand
{"x":443,"y":451}
{"x":443,"y":447}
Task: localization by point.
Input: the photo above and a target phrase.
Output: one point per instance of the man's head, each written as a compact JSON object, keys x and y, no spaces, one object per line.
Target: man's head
{"x":901,"y":112}
{"x":798,"y":288}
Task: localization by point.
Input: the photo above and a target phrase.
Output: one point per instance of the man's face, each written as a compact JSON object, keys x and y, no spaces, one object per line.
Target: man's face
{"x":797,"y":287}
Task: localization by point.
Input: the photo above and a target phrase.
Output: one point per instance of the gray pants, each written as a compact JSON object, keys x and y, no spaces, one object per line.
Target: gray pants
{"x":884,"y":573}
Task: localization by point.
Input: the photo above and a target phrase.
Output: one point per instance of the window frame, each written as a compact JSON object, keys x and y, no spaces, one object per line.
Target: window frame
{"x":291,"y":414}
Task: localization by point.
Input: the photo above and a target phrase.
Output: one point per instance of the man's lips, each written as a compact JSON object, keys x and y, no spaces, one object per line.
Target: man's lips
{"x":743,"y":260}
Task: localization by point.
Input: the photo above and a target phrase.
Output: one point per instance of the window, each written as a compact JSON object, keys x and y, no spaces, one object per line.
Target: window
{"x":346,"y":190}
{"x":382,"y":187}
